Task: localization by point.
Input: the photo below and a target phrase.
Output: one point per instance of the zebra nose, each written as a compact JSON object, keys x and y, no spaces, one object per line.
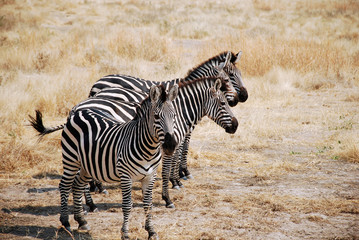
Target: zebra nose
{"x":243,"y":94}
{"x":169,"y":144}
{"x":233,"y":102}
{"x":233,"y":128}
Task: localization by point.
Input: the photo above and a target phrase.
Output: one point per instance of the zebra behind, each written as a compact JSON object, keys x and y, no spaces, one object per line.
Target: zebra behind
{"x":97,"y":146}
{"x":196,"y":99}
{"x":223,"y":63}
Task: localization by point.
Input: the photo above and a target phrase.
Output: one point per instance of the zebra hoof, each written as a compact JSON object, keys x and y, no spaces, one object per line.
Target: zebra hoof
{"x":171,"y":205}
{"x":176,"y":187}
{"x":84,"y":228}
{"x":181,"y":186}
{"x":190,"y":176}
{"x":184,"y":178}
{"x":85,"y":212}
{"x":125,"y":236}
{"x":153,"y":236}
{"x":105,"y":192}
{"x":95,"y":210}
{"x":67,"y":229}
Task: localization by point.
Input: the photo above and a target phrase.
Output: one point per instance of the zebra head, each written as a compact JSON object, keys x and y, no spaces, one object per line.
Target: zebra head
{"x":162,"y":117}
{"x":218,"y":109}
{"x":235,"y":76}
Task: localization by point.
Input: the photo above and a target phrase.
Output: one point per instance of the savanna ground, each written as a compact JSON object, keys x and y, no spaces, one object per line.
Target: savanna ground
{"x":291,"y":171}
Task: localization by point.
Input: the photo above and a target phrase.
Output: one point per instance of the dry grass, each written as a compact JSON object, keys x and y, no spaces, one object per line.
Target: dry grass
{"x":288,"y":172}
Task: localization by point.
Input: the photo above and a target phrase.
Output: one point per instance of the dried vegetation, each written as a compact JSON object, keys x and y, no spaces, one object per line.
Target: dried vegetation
{"x":290,"y":171}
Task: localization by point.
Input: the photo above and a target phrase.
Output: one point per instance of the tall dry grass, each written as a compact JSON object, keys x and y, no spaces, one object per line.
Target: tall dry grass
{"x":50,"y":59}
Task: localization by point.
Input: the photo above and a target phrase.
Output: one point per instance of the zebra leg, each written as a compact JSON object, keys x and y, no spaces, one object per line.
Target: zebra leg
{"x":65,"y":187}
{"x":92,"y":185}
{"x":184,"y":173}
{"x":174,"y":173}
{"x":166,"y":167}
{"x":97,"y":185}
{"x":126,"y":187}
{"x":89,"y":201}
{"x":100,"y":187}
{"x":78,"y":189}
{"x":147,"y":187}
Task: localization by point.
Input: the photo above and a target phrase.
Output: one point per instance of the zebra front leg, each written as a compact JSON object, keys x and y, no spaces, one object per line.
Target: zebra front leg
{"x":166,"y":167}
{"x":147,"y":187}
{"x":126,"y":188}
{"x":183,"y":171}
{"x":174,"y":177}
{"x":78,"y":189}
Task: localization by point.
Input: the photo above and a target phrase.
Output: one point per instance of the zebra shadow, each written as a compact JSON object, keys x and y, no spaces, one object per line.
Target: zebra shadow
{"x":54,"y":210}
{"x":45,"y":233}
{"x":47,"y":175}
{"x":35,"y":210}
{"x":117,"y":207}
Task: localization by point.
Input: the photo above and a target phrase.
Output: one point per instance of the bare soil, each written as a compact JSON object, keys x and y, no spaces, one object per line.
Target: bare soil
{"x":287,"y":189}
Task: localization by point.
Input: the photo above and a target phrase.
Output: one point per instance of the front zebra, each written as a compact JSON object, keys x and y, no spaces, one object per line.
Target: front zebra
{"x":196,"y":99}
{"x":97,"y":146}
{"x":223,"y":63}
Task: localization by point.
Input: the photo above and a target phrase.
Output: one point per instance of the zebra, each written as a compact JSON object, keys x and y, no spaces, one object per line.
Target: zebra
{"x":195,"y":99}
{"x":223,"y":63}
{"x":97,"y":145}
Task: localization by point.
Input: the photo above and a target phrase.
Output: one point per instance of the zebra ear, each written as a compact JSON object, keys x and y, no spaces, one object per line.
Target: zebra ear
{"x":173,"y":93}
{"x":155,"y":93}
{"x":238,"y":56}
{"x":226,"y":61}
{"x":217,"y":85}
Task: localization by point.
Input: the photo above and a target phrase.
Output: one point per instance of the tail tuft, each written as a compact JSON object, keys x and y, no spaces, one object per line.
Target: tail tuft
{"x":37,"y":123}
{"x":39,"y":126}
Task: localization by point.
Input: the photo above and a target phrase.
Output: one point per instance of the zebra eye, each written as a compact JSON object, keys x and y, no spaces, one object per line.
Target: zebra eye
{"x":223,"y":103}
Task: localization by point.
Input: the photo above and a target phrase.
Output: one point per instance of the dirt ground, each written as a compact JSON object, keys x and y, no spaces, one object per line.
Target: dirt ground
{"x":297,"y":192}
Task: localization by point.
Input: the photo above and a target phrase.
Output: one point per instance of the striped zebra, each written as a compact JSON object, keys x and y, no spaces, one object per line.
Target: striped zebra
{"x":196,"y":99}
{"x":95,"y":145}
{"x":223,"y":63}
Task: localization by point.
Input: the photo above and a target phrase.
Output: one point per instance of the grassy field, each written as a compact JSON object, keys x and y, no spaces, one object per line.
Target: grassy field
{"x":291,"y":171}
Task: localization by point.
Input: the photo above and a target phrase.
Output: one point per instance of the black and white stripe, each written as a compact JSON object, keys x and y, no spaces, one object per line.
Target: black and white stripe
{"x":96,"y":145}
{"x":222,"y":65}
{"x":196,"y":99}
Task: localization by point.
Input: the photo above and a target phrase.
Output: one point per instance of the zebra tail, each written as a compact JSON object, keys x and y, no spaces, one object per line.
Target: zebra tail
{"x":39,"y":126}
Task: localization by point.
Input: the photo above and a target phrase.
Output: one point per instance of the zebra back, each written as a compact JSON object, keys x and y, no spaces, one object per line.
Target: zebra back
{"x":221,"y":65}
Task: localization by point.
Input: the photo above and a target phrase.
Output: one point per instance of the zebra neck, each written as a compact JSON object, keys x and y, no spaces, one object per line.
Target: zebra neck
{"x":139,"y":129}
{"x":206,"y":69}
{"x":192,"y":100}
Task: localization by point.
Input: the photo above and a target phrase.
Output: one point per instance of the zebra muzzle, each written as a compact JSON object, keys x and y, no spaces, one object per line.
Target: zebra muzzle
{"x":243,"y":94}
{"x":169,"y":144}
{"x":233,"y":128}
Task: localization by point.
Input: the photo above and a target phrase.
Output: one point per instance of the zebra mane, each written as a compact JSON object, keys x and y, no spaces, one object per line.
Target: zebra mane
{"x":183,"y":83}
{"x":214,"y":60}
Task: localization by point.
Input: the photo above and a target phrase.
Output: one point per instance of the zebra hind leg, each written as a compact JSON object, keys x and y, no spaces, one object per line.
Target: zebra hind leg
{"x":89,"y":200}
{"x":100,"y":187}
{"x":65,"y":187}
{"x":78,"y":190}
